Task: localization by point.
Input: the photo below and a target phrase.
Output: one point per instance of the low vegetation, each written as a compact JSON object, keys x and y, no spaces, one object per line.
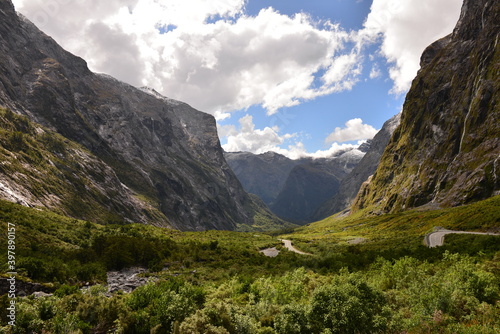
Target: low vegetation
{"x":218,"y":282}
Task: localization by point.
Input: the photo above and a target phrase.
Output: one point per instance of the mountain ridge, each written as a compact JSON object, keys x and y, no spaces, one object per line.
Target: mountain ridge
{"x":293,"y":189}
{"x":164,"y":151}
{"x":350,"y":185}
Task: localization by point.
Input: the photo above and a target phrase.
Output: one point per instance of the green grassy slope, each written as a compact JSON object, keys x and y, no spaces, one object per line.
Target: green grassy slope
{"x":407,"y":227}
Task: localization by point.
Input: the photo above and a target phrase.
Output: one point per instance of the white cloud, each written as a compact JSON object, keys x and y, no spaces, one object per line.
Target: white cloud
{"x":407,"y":27}
{"x":238,"y":61}
{"x":297,"y":150}
{"x":249,"y":139}
{"x":219,"y":115}
{"x":354,"y":130}
{"x":231,"y":64}
{"x":343,"y":73}
{"x":375,"y":72}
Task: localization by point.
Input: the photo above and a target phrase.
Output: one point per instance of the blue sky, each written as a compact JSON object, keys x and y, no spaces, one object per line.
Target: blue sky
{"x":315,"y":120}
{"x":350,"y":14}
{"x":303,"y":78}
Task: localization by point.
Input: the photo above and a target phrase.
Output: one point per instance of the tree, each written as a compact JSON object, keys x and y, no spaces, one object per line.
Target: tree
{"x":348,"y":305}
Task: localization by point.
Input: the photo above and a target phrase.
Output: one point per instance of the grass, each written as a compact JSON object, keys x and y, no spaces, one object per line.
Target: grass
{"x":408,"y":227}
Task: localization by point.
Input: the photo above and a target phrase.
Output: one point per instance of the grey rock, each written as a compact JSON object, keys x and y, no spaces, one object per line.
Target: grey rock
{"x":163,"y":161}
{"x":310,"y":184}
{"x":293,"y":189}
{"x":261,"y":174}
{"x":126,"y":280}
{"x":41,"y":294}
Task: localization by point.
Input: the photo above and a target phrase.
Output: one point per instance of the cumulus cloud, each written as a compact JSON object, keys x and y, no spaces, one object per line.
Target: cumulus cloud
{"x":375,"y":72}
{"x":249,"y":139}
{"x":344,"y":71}
{"x":406,"y":28}
{"x":230,"y":64}
{"x":354,"y":130}
{"x":218,"y":66}
{"x":297,"y":150}
{"x":213,"y":56}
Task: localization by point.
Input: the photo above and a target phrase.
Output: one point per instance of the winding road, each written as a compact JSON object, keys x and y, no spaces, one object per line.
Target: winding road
{"x":436,"y":238}
{"x":431,"y":240}
{"x":288,"y":245}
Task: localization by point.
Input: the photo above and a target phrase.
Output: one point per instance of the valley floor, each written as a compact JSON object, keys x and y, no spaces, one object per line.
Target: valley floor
{"x":218,"y":282}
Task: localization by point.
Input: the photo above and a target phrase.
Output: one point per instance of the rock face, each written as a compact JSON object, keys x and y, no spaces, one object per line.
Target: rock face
{"x":160,"y":152}
{"x":42,"y":168}
{"x":351,"y":184}
{"x":446,"y":150}
{"x":126,"y":280}
{"x":293,"y":189}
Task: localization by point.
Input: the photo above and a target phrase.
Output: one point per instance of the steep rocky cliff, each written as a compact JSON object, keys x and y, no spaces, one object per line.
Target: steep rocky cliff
{"x":39,"y":167}
{"x":351,"y":184}
{"x":158,"y":152}
{"x":447,"y":149}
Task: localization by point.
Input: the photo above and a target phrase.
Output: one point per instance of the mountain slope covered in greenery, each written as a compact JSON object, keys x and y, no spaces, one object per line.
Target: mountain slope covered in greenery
{"x":446,"y":150}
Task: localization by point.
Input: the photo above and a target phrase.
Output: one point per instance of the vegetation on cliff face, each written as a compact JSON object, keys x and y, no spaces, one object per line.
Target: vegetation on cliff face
{"x":41,"y":167}
{"x":446,"y":150}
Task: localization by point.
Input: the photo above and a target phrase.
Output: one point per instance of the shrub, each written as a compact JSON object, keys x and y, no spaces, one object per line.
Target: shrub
{"x":292,"y":320}
{"x":348,"y":305}
{"x":66,"y":290}
{"x":200,"y":323}
{"x":166,"y":304}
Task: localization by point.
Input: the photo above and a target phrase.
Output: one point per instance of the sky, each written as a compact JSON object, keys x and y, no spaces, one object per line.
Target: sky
{"x":301,"y":78}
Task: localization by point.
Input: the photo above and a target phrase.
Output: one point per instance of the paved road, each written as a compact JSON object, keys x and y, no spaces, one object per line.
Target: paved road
{"x":288,"y":245}
{"x":436,"y":239}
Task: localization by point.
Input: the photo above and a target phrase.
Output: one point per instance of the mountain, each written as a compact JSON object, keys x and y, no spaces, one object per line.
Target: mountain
{"x":138,"y":155}
{"x":293,"y":189}
{"x":311,"y":183}
{"x":351,"y":184}
{"x":261,"y":174}
{"x":42,"y":168}
{"x":446,"y":151}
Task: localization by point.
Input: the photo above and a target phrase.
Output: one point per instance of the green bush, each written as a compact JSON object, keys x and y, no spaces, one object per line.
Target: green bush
{"x":293,"y":319}
{"x":66,"y":290}
{"x":200,"y":323}
{"x":167,"y":304}
{"x":348,"y":305}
